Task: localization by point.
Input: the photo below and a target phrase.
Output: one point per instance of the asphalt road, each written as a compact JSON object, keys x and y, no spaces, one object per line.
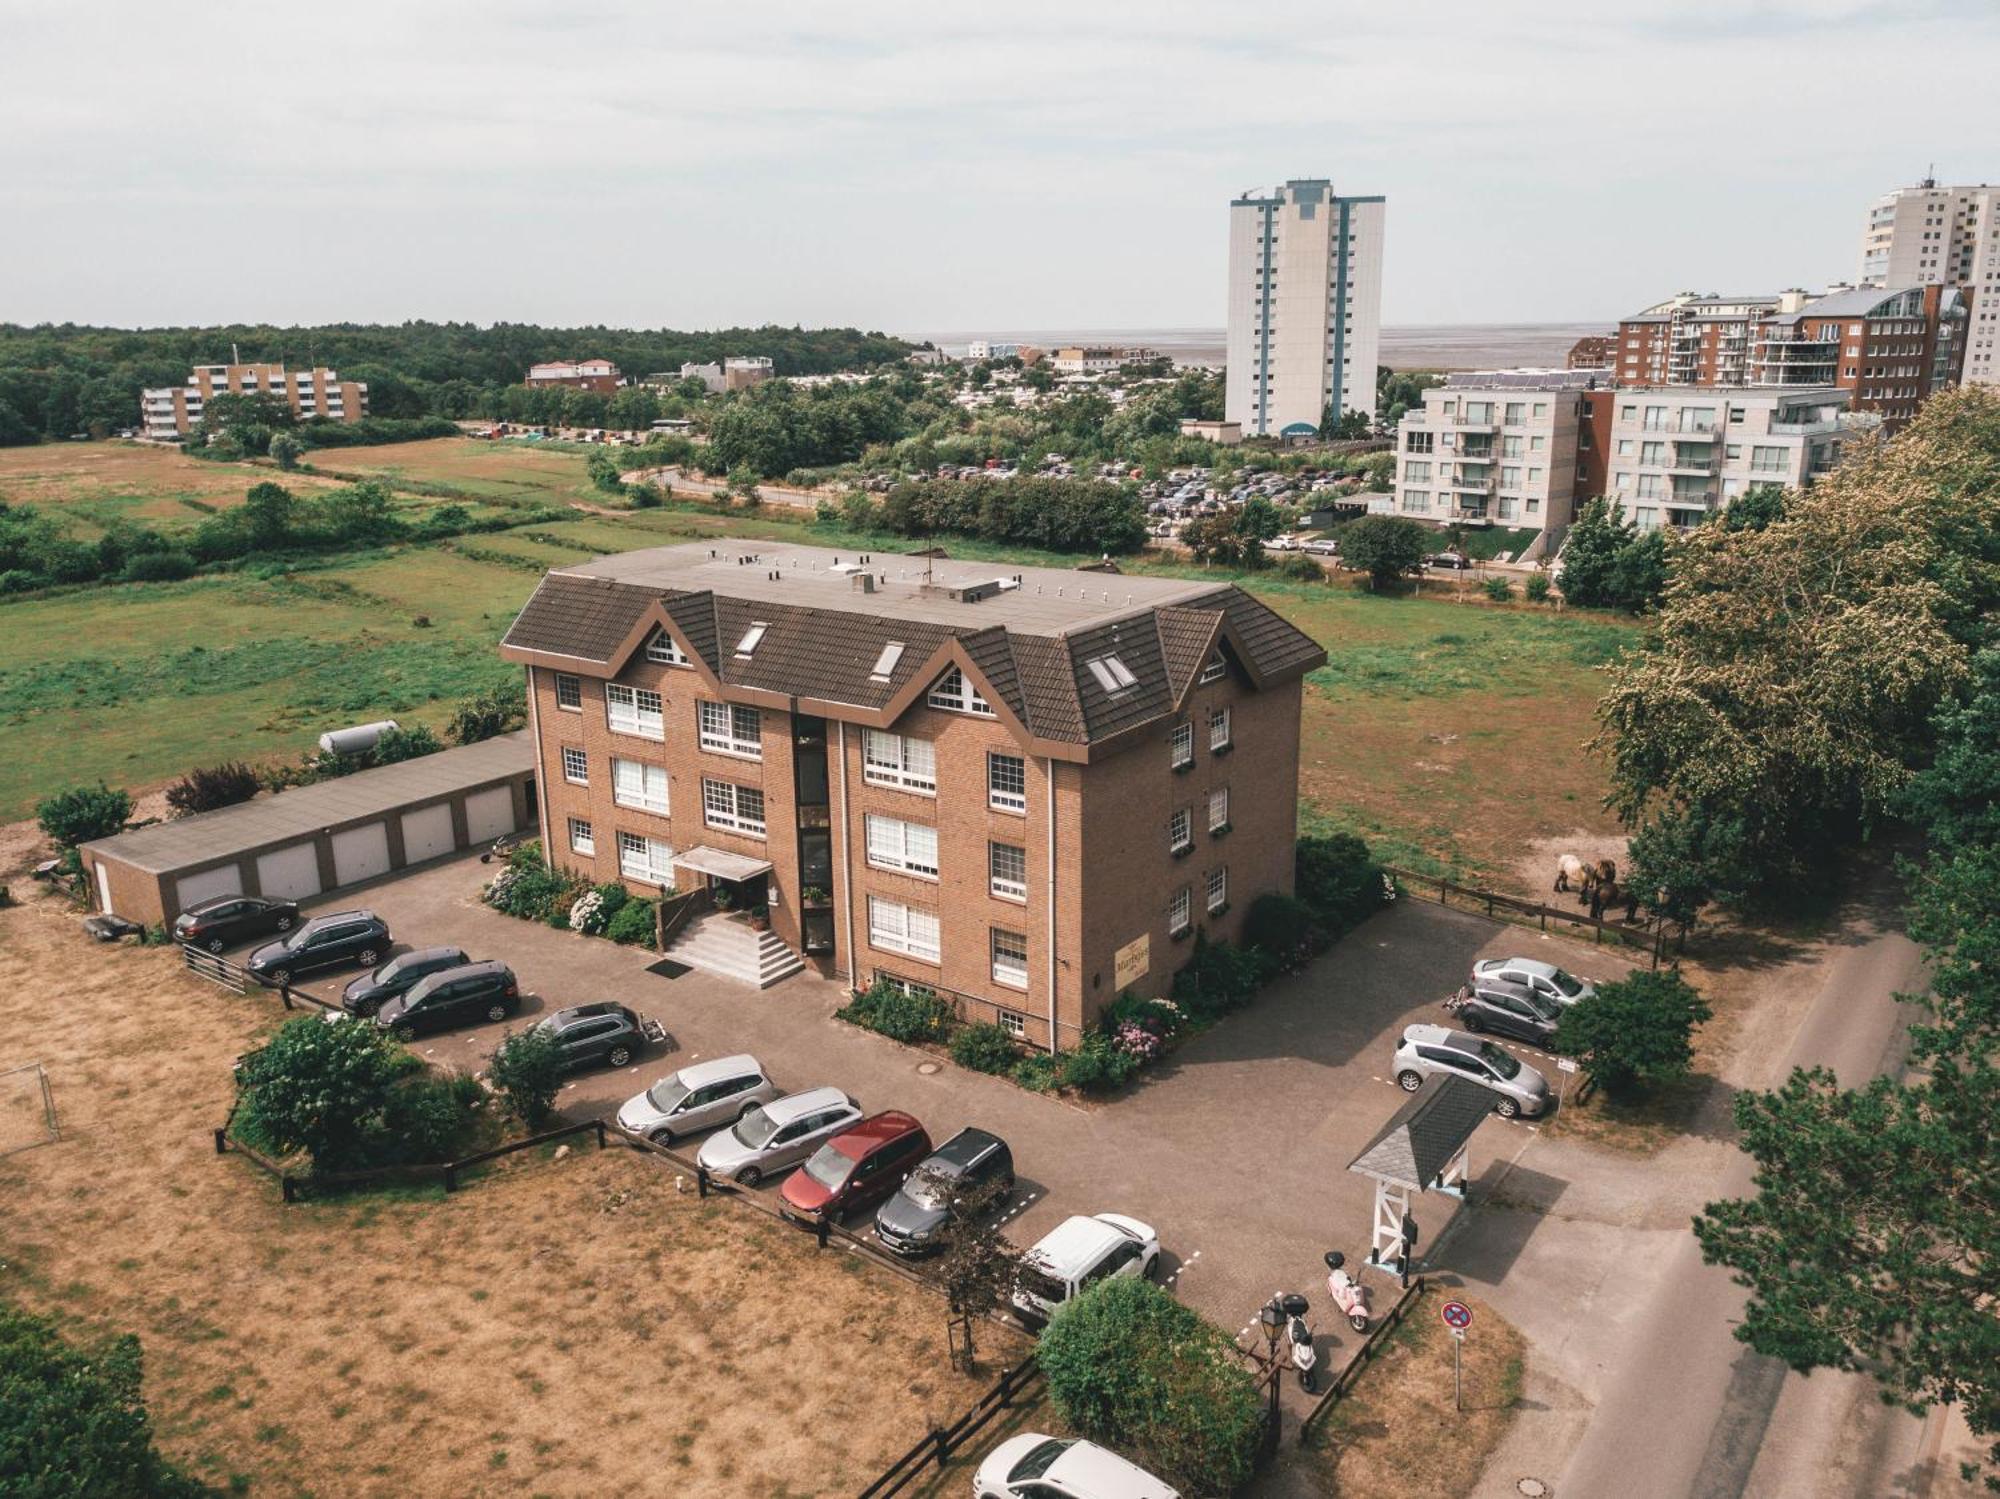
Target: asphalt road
{"x":1691,"y":1413}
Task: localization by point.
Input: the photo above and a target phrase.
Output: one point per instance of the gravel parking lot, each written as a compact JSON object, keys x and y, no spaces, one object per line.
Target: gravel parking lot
{"x":1235,"y":1150}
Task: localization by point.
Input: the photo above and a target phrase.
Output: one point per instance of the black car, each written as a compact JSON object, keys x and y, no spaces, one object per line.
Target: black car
{"x":324,"y":942}
{"x":970,"y":1161}
{"x":229,"y":919}
{"x":367,"y":994}
{"x":1450,"y":561}
{"x":1506,"y":1010}
{"x":596,"y":1035}
{"x":456,"y":996}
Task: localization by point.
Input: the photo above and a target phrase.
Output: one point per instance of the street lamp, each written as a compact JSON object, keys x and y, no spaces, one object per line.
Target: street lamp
{"x":1272,"y":1316}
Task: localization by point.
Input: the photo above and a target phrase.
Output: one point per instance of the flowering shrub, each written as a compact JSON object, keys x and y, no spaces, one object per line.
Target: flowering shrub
{"x":1137,"y":1042}
{"x":587,"y":915}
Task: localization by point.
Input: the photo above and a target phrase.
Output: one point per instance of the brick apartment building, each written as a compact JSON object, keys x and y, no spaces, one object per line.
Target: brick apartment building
{"x":1594,"y":351}
{"x":170,"y":412}
{"x":1025,"y":790}
{"x":600,"y":375}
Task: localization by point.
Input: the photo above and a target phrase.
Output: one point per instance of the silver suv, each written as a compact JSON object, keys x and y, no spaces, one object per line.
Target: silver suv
{"x":1433,"y":1049}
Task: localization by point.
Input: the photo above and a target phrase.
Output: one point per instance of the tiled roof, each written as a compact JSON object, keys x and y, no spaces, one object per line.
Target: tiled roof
{"x":1425,"y":1133}
{"x":817,"y":651}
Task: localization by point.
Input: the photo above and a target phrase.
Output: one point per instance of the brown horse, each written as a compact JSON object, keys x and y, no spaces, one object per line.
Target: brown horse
{"x":1601,"y":875}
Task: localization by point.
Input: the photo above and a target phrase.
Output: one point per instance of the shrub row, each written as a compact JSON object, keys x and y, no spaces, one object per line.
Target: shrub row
{"x":529,"y":889}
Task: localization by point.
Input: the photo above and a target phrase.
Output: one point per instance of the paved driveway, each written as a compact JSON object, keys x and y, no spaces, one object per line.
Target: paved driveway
{"x":1235,"y":1151}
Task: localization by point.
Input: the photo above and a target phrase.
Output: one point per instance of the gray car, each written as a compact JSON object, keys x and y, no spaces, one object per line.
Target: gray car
{"x":1545,"y":981}
{"x":971,"y":1161}
{"x":774,"y":1137}
{"x":1434,"y":1050}
{"x":698,"y":1098}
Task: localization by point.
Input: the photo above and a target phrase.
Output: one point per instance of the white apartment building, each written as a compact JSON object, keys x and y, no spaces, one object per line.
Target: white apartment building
{"x":1495,"y":448}
{"x":1674,"y":455}
{"x":739,"y":372}
{"x":170,"y":412}
{"x":1305,"y":298}
{"x":1926,"y":234}
{"x":985,"y":348}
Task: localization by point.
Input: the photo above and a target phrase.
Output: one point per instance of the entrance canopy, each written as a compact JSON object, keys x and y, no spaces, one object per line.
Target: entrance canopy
{"x":719,"y":864}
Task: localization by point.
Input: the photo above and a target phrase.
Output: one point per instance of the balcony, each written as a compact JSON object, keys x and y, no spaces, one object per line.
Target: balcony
{"x":1473,"y":485}
{"x":1693,"y":463}
{"x":1485,"y":423}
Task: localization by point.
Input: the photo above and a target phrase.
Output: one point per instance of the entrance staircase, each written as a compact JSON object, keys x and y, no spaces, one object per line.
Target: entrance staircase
{"x":720,"y":944}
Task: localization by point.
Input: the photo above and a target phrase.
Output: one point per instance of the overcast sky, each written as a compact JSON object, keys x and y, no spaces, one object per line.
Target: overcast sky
{"x":926,"y":167}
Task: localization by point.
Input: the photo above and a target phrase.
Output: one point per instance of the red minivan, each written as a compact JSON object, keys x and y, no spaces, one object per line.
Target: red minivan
{"x":858,"y":1168}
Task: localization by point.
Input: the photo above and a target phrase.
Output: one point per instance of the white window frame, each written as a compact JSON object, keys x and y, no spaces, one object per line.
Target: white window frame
{"x":910,"y":930}
{"x":954,"y":693}
{"x":663,"y":650}
{"x":650,"y":795}
{"x":1004,"y":887}
{"x":1180,"y":911}
{"x":1219,"y":729}
{"x":1014,"y":1023}
{"x":1001,"y":798}
{"x":721,"y":807}
{"x":640,"y":858}
{"x":569,"y":692}
{"x":730,"y":729}
{"x":1218,"y":888}
{"x":636,"y":711}
{"x":902,"y":761}
{"x":575,"y":765}
{"x":1216,"y":668}
{"x":1180,"y":745}
{"x":1180,"y":831}
{"x":1009,"y":967}
{"x":582,"y":839}
{"x":908,"y":847}
{"x":1218,"y":809}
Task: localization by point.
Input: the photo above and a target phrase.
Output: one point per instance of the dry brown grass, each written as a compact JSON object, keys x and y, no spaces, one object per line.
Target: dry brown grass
{"x":1397,"y":1433}
{"x":563,"y":1327}
{"x":94,"y":485}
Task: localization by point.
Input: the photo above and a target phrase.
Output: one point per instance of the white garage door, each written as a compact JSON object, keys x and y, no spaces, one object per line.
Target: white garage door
{"x":360,"y":853}
{"x":427,"y":833}
{"x":289,"y":873}
{"x":489,"y":813}
{"x":225,"y":879}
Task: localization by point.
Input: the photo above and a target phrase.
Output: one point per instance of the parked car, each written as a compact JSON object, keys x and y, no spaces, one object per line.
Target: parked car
{"x":698,"y":1098}
{"x":971,"y":1160}
{"x":367,"y":994}
{"x":1076,"y":1254}
{"x":1428,"y":1050}
{"x":229,"y":919}
{"x":1033,"y":1466}
{"x":456,"y":996}
{"x":595,"y":1035}
{"x":1546,"y":981}
{"x":324,"y":942}
{"x":855,"y":1169}
{"x":1506,"y":1011}
{"x":1450,"y":561}
{"x":776,"y":1136}
{"x":1323,"y":548}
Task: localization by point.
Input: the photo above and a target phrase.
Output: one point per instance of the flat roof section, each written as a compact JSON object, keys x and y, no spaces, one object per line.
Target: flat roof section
{"x":1049,"y":600}
{"x":305,"y":810}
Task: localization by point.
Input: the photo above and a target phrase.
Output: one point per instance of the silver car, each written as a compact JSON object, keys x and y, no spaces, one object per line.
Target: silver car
{"x":698,"y":1098}
{"x":774,"y":1137}
{"x":1428,"y":1050}
{"x":1547,"y":982}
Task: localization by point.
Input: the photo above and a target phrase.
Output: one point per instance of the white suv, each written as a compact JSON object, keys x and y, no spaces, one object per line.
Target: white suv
{"x":1077,"y":1254}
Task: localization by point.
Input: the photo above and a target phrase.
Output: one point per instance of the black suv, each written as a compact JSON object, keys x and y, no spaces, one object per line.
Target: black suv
{"x":457,"y":996}
{"x":970,"y":1161}
{"x":367,"y":994}
{"x":324,"y":942}
{"x":229,"y":919}
{"x":1506,"y":1010}
{"x":605,"y":1034}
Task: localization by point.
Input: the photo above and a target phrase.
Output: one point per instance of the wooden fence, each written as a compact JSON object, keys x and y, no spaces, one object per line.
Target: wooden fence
{"x":941,"y":1442}
{"x":295,"y":1187}
{"x":1344,"y":1381}
{"x":1499,"y":907}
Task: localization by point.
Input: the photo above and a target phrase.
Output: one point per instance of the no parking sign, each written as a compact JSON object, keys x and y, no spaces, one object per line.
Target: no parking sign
{"x":1457,"y":1315}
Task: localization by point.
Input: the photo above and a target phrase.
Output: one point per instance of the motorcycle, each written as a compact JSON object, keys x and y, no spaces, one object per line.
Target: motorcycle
{"x":504,"y":845}
{"x":1299,"y":1340}
{"x":1347,"y":1292}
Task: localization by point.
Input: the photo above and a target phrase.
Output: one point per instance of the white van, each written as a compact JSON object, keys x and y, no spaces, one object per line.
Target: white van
{"x":1077,"y":1254}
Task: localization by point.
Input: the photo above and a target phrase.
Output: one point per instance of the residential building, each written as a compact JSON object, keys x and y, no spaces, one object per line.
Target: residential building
{"x":1096,"y":359}
{"x":1930,"y":235}
{"x":172,"y":412}
{"x":1673,"y":455}
{"x":1497,"y":447}
{"x":1594,"y":351}
{"x":1305,"y":295}
{"x":984,"y":348}
{"x":1024,"y":791}
{"x":1890,"y":348}
{"x":739,"y":372}
{"x":600,"y":375}
{"x":1223,"y":434}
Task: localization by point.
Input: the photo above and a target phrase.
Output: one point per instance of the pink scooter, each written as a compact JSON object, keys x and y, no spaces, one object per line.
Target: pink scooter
{"x":1347,"y":1292}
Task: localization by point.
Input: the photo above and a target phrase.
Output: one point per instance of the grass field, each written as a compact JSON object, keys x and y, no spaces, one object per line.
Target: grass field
{"x":507,"y":472}
{"x":563,"y":1327}
{"x":97,"y":485}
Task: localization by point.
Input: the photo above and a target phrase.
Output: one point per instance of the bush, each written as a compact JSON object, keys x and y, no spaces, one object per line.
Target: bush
{"x":1498,"y":589}
{"x":1284,"y":927}
{"x":900,"y":1014}
{"x":489,"y":716}
{"x":634,"y":923}
{"x":1635,"y":1032}
{"x":396,"y":745}
{"x":1383,"y":546}
{"x":1038,"y":1072}
{"x":1220,"y":976}
{"x":1097,"y":1065}
{"x":321,"y":1089}
{"x":985,"y":1048}
{"x":527,"y":1072}
{"x":205,"y":788}
{"x":82,"y":813}
{"x":1129,"y":1366}
{"x":158,"y":567}
{"x":1538,"y":588}
{"x":1336,"y":876}
{"x":1301,"y":567}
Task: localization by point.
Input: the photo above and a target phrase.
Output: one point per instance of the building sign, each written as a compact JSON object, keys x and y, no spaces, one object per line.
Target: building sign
{"x":1131,"y":963}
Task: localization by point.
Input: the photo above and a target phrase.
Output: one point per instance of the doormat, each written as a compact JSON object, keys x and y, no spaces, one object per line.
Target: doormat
{"x":667,"y":968}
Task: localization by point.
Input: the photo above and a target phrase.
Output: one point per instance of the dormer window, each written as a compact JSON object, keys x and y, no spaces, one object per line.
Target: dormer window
{"x":1113,"y":675}
{"x":664,"y":650}
{"x":955,"y":694}
{"x":886,"y":662}
{"x":752,"y":637}
{"x":1216,"y":669}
